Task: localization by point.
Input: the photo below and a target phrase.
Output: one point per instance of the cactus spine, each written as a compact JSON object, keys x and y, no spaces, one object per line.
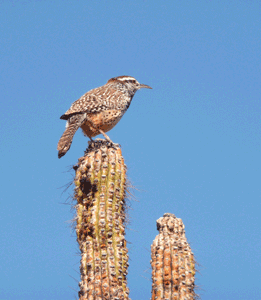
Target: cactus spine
{"x":100,"y":222}
{"x":172,"y":261}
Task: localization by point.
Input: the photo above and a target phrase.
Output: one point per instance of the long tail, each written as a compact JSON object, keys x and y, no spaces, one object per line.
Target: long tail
{"x":73,"y":123}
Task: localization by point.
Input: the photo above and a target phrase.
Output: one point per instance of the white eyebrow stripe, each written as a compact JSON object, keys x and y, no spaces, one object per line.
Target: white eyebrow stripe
{"x":126,"y":78}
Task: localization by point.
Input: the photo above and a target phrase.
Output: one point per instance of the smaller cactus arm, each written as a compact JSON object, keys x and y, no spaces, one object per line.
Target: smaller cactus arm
{"x":172,"y":262}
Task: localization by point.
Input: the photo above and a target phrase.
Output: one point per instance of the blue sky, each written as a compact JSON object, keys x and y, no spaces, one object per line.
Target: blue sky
{"x":192,"y":144}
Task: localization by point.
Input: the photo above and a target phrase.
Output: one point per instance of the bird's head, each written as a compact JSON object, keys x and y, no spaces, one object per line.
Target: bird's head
{"x":128,"y":81}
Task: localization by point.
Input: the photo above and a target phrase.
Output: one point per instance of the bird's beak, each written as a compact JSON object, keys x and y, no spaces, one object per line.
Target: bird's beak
{"x":144,"y":86}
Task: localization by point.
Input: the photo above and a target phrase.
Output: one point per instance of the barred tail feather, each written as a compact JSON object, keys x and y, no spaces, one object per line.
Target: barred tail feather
{"x":72,"y":126}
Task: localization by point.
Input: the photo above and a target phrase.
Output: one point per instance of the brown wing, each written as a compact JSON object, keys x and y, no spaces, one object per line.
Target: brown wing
{"x":96,"y":100}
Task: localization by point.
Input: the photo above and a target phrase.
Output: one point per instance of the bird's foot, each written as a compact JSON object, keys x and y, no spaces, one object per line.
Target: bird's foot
{"x":109,"y":142}
{"x":106,"y":136}
{"x":90,"y":141}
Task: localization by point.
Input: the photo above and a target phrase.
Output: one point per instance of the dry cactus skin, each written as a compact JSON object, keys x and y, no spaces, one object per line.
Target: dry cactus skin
{"x":172,"y":262}
{"x":100,"y":190}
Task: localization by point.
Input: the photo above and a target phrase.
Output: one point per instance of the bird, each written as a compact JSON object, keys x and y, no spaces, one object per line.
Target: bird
{"x":98,"y":110}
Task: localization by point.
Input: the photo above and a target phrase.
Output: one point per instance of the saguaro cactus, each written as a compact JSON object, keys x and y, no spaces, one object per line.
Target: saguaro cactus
{"x":100,"y":192}
{"x":100,"y":222}
{"x":172,"y":261}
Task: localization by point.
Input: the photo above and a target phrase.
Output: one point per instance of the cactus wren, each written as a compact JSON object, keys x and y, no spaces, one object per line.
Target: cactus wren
{"x":99,"y":110}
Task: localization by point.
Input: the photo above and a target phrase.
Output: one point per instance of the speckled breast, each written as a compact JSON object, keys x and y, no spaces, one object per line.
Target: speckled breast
{"x":105,"y":121}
